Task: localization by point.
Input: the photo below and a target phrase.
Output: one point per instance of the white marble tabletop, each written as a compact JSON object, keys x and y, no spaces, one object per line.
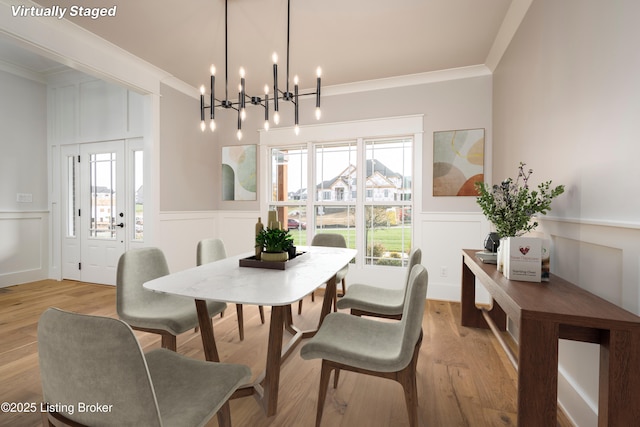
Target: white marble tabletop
{"x":226,"y":281}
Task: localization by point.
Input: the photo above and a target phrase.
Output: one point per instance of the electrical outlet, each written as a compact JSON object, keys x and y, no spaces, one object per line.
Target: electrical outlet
{"x":443,"y":271}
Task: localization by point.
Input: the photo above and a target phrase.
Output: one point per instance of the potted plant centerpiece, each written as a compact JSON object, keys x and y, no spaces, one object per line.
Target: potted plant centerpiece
{"x":275,"y":244}
{"x":510,"y":205}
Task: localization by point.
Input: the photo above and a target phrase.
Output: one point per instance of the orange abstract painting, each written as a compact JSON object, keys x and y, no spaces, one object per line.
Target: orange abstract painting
{"x":458,"y":162}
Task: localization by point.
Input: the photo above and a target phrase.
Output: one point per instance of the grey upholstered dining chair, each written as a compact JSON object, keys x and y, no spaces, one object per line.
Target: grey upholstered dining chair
{"x":332,"y":240}
{"x":368,"y":346}
{"x":367,"y":300}
{"x":98,"y":361}
{"x":148,"y":311}
{"x":210,"y":250}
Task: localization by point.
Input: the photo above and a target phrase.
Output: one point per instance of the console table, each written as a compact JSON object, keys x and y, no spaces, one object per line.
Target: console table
{"x":544,"y":313}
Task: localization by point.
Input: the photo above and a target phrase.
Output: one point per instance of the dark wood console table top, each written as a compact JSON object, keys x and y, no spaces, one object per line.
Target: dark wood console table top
{"x":545,"y":312}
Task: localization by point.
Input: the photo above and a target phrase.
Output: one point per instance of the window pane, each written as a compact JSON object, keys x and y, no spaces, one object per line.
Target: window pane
{"x":138,"y":168}
{"x":388,"y":170}
{"x":388,"y":235}
{"x":289,"y":174}
{"x":337,"y":219}
{"x":296,"y":221}
{"x":336,"y":172}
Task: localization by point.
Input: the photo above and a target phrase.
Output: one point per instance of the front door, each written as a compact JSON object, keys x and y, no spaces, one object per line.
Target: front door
{"x":102,"y":210}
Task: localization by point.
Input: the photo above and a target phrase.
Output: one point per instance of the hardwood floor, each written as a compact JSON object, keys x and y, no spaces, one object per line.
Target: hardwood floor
{"x":464,"y":377}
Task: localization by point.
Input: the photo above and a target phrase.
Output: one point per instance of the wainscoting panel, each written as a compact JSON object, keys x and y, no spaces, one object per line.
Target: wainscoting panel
{"x":603,"y":258}
{"x":23,"y":247}
{"x":442,"y":237}
{"x":179,"y":233}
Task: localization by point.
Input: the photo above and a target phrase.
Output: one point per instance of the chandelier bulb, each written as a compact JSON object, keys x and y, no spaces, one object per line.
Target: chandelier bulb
{"x":203,"y":126}
{"x":243,"y":114}
{"x":276,"y":118}
{"x":201,"y":89}
{"x":319,"y":72}
{"x":274,"y":58}
{"x":242,"y":72}
{"x":297,"y":130}
{"x":213,"y":70}
{"x":266,"y":89}
{"x":212,"y":125}
{"x":239,"y":135}
{"x":266,"y":125}
{"x":318,"y":113}
{"x":295,"y":79}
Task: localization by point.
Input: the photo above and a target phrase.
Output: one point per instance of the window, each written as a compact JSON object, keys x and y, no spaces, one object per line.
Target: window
{"x":387,"y":225}
{"x":379,"y":225}
{"x":289,"y":189}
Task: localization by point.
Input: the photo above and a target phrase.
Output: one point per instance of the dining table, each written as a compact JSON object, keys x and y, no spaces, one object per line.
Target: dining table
{"x":226,"y":280}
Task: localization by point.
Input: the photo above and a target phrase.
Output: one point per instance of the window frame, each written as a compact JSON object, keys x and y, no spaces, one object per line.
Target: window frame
{"x":364,"y":130}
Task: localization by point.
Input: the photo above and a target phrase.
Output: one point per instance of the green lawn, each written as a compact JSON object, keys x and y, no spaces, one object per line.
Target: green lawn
{"x":390,"y":238}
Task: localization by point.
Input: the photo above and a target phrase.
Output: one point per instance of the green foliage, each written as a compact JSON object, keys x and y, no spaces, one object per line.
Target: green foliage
{"x":377,"y":250}
{"x":510,"y":205}
{"x":274,"y":240}
{"x":376,"y":216}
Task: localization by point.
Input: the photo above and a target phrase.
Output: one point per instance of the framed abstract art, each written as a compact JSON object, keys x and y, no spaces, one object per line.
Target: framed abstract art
{"x":458,"y":162}
{"x":239,"y":172}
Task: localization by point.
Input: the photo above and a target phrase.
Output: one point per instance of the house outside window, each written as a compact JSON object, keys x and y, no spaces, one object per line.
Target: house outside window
{"x":378,"y":226}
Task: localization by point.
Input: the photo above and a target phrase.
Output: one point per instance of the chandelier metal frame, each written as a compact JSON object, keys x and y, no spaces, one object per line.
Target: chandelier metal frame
{"x":243,"y":97}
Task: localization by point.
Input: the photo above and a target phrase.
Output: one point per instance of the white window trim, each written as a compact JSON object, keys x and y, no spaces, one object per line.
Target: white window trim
{"x":389,"y":127}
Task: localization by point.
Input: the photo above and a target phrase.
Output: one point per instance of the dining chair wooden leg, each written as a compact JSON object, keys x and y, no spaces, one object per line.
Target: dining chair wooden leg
{"x":169,"y":342}
{"x":240,"y":314}
{"x":261,"y":309}
{"x":325,"y":373}
{"x":300,"y":307}
{"x":336,"y":376}
{"x":407,"y":378}
{"x":224,"y":415}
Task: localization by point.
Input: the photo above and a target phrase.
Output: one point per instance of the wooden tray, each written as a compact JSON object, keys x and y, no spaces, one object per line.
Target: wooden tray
{"x":273,"y":265}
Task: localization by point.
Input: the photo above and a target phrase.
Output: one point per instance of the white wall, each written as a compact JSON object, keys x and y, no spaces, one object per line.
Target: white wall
{"x":23,"y":169}
{"x":565,"y":102}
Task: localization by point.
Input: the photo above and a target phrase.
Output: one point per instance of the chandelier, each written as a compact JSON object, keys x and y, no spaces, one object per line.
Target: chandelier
{"x":243,"y":97}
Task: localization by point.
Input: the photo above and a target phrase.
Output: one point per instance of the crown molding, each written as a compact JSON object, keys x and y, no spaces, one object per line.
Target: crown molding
{"x":77,"y":48}
{"x":408,"y":80}
{"x":512,"y":20}
{"x":22,"y":72}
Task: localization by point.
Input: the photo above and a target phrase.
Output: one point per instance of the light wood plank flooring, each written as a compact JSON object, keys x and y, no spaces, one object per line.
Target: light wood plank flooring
{"x":464,"y":377}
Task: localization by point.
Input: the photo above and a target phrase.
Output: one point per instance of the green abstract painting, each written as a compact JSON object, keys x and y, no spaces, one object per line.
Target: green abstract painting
{"x":239,"y":178}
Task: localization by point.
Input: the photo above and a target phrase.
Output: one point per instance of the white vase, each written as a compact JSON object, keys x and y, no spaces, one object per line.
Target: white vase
{"x":502,"y":254}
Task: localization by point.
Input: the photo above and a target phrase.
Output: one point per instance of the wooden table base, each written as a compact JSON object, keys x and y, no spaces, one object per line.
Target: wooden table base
{"x":265,"y":388}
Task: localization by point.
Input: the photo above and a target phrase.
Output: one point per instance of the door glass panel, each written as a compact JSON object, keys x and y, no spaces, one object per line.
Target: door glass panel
{"x":138,"y":194}
{"x":102,"y":169}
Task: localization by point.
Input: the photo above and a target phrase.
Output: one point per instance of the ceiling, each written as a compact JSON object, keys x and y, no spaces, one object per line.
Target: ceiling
{"x":352,"y":40}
